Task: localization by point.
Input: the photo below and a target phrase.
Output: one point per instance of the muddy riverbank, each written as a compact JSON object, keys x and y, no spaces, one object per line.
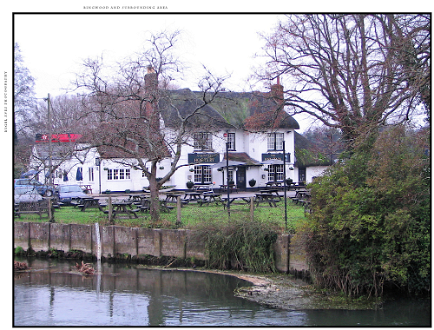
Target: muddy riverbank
{"x":285,"y":292}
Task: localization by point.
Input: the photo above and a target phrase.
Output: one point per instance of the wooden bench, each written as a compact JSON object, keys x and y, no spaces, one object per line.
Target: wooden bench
{"x":40,"y":208}
{"x":75,"y":203}
{"x":164,"y":207}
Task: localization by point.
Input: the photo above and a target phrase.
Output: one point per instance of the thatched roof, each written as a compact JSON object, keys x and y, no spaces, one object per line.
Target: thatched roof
{"x":254,"y":111}
{"x":180,"y":104}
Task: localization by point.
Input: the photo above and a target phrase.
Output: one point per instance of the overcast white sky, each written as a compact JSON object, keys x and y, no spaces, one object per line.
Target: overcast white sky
{"x":55,"y":37}
{"x":54,"y":45}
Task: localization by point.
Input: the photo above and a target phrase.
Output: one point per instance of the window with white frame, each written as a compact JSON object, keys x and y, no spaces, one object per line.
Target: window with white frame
{"x":275,"y":172}
{"x":231,"y":141}
{"x":275,"y":141}
{"x":202,"y":174}
{"x":230,"y":176}
{"x":119,"y":174}
{"x":202,"y":141}
{"x":91,"y":176}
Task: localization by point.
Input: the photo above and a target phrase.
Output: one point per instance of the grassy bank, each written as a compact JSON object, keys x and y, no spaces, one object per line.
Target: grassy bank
{"x":192,"y":216}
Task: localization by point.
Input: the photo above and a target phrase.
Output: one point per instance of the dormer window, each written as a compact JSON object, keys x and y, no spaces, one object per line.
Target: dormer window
{"x":202,"y":141}
{"x":275,"y":141}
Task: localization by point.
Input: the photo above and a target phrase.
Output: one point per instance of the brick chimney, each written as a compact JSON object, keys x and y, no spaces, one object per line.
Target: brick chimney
{"x":151,"y":91}
{"x":152,"y":114}
{"x":151,"y":80}
{"x":277,"y":93}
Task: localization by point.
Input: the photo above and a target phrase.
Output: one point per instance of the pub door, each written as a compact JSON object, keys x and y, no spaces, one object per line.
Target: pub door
{"x":241,"y":177}
{"x":301,"y":175}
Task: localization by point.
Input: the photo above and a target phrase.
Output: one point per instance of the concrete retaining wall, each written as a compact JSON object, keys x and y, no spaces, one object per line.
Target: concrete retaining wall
{"x":136,"y":242}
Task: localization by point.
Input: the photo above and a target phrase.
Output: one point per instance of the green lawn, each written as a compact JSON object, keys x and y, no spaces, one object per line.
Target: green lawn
{"x":192,"y":216}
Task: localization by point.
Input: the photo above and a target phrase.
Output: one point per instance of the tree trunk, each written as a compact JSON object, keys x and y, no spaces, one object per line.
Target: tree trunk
{"x":155,"y":197}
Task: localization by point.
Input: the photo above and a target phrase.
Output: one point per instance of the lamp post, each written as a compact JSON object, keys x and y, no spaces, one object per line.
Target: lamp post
{"x":227,"y":176}
{"x":98,"y":163}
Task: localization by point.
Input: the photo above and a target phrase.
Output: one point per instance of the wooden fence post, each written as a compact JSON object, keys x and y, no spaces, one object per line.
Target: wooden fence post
{"x":178,"y":209}
{"x":110,"y":210}
{"x":252,"y":207}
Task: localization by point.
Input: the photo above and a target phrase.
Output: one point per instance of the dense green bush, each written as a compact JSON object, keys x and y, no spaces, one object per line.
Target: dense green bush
{"x":369,"y":229}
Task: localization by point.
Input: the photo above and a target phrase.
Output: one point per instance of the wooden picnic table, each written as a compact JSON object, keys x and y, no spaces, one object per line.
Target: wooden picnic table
{"x":138,"y":198}
{"x":274,"y":191}
{"x":301,"y":197}
{"x":172,"y":197}
{"x":265,"y":198}
{"x":203,"y":187}
{"x":38,"y":207}
{"x":89,"y":202}
{"x":192,"y":196}
{"x":241,"y":200}
{"x":210,"y":197}
{"x":123,"y":207}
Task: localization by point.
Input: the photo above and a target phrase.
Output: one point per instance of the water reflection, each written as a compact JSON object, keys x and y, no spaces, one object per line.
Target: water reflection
{"x":55,"y":294}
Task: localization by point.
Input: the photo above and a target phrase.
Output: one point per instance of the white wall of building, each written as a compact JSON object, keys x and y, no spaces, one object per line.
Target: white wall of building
{"x":314,"y":171}
{"x":254,"y":144}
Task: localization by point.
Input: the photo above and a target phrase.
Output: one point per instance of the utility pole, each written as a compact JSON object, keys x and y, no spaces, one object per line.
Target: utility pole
{"x":50,"y":159}
{"x":227,"y":177}
{"x":284,"y":185}
{"x":50,"y":151}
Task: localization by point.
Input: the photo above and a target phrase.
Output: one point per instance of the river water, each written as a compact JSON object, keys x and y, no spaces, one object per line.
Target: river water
{"x":53,"y":293}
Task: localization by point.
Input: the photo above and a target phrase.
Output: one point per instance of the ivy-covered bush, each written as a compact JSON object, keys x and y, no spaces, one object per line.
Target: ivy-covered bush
{"x":369,"y":229}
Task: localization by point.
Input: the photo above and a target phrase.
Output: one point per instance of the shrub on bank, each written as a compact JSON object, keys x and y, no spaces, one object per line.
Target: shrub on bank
{"x":239,"y":244}
{"x":370,"y":225}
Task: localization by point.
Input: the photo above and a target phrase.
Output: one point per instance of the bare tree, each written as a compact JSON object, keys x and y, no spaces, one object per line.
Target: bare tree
{"x":123,"y":111}
{"x":24,"y":100}
{"x":325,"y":141}
{"x":24,"y":96}
{"x":413,"y":39}
{"x":352,"y":72}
